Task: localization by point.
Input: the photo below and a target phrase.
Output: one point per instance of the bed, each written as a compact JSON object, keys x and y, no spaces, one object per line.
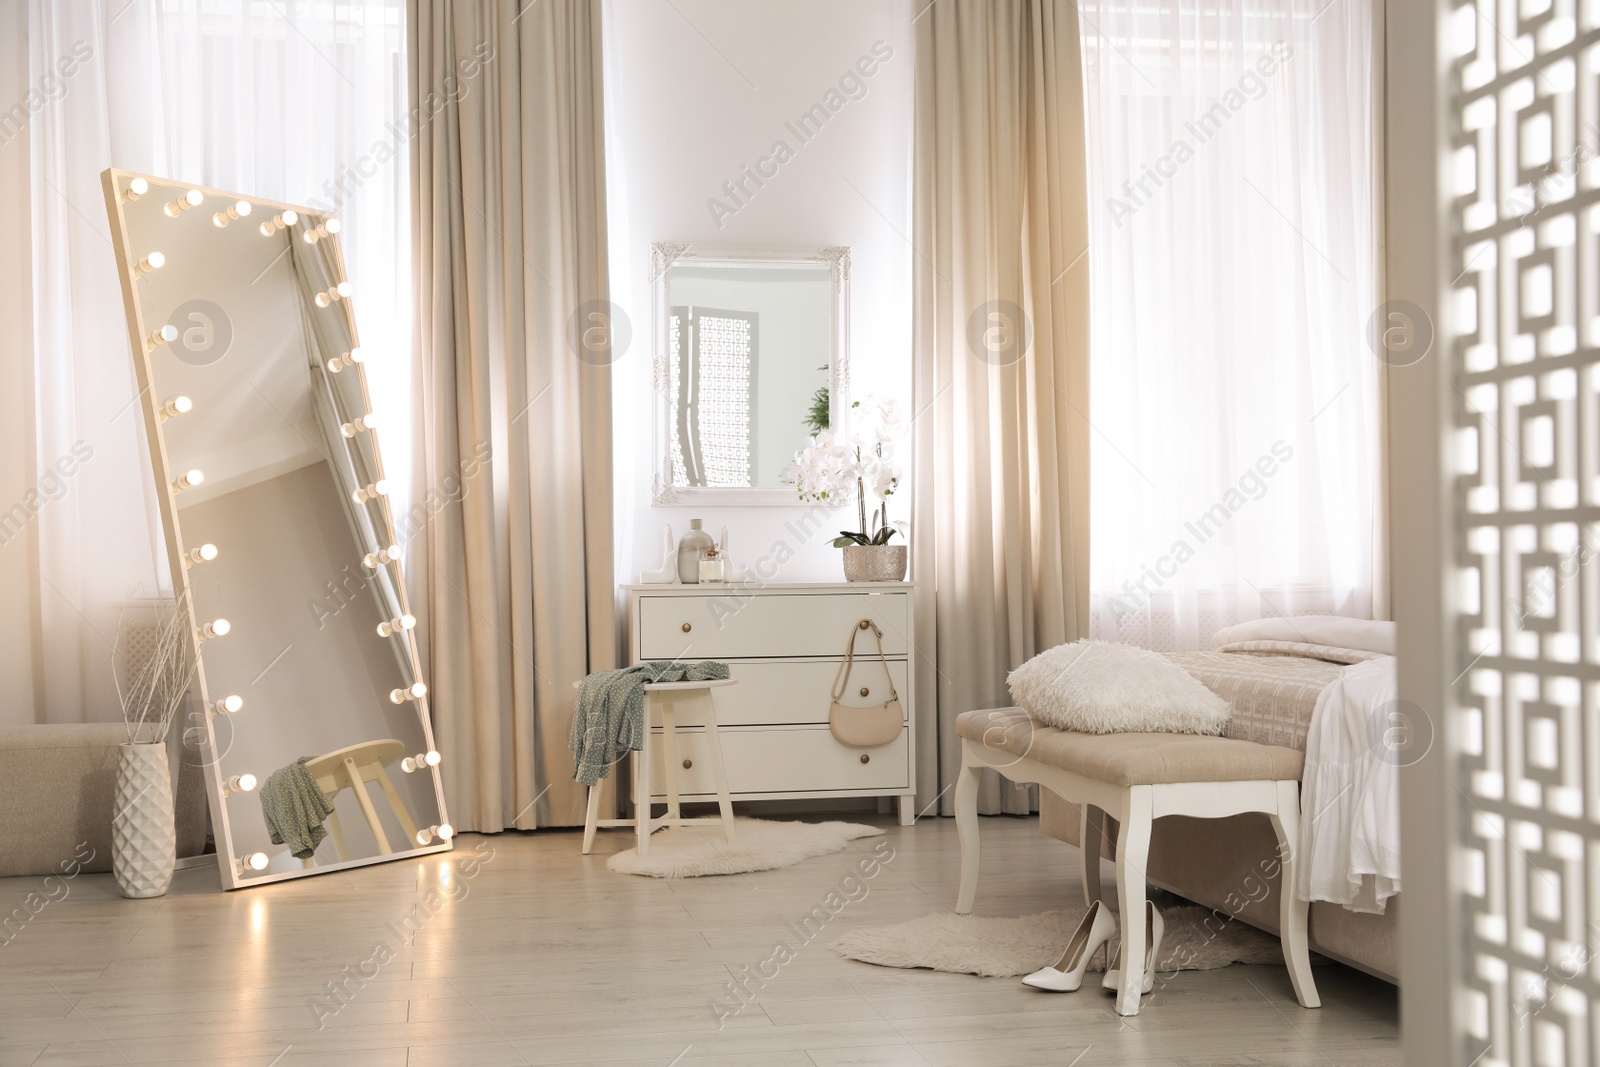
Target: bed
{"x":1312,"y":684}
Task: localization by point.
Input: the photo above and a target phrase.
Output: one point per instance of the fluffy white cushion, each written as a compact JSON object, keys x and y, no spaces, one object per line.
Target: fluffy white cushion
{"x":1099,"y":687}
{"x":1335,"y":630}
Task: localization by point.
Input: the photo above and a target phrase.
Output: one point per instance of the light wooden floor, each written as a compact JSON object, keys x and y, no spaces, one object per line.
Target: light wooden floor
{"x":540,"y":956}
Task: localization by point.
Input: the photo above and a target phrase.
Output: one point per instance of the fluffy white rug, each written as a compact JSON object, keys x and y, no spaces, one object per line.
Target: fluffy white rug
{"x":759,"y":845}
{"x":999,"y":948}
{"x":1101,"y":687}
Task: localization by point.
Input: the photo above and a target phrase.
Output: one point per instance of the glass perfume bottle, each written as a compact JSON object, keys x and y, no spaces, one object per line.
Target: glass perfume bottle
{"x":711,"y":566}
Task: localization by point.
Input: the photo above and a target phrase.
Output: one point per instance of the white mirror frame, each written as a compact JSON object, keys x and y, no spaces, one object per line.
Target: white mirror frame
{"x":113,"y":181}
{"x":662,"y":257}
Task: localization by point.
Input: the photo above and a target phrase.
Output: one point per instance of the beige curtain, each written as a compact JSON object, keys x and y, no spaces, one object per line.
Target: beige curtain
{"x":1001,"y":533}
{"x":511,"y":548}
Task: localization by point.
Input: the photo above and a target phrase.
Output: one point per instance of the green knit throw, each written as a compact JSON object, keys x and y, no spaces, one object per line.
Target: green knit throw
{"x":609,"y":722}
{"x":294,"y":808}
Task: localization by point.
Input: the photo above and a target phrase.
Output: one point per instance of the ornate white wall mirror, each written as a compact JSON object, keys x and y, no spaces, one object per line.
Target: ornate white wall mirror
{"x":752,"y":356}
{"x":279,"y":530}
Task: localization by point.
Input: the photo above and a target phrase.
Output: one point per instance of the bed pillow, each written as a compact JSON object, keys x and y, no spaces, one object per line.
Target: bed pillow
{"x":1335,"y":630}
{"x":1099,"y":687}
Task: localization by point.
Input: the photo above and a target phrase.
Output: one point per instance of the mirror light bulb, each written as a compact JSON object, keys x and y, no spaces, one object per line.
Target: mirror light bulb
{"x":188,"y":480}
{"x":394,"y":626}
{"x":349,"y":359}
{"x":175,"y":405}
{"x":137,"y":187}
{"x":328,"y":228}
{"x":193,"y":198}
{"x":444,"y":831}
{"x":228,"y":705}
{"x":429,"y":758}
{"x":425,"y":836}
{"x":154,"y":261}
{"x":237,"y":210}
{"x":256,"y":861}
{"x":366,"y":422}
{"x":374,"y":560}
{"x":279,"y":222}
{"x":371,"y":492}
{"x":204,"y":554}
{"x":339,"y":292}
{"x":166,"y":335}
{"x":415,"y":691}
{"x":217,"y":628}
{"x":239,"y":783}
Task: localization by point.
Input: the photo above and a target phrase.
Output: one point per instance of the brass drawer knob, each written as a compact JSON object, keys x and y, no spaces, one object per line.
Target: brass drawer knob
{"x":688,"y":763}
{"x":865,"y":758}
{"x":863,"y":690}
{"x":865,"y":623}
{"x":687,"y":627}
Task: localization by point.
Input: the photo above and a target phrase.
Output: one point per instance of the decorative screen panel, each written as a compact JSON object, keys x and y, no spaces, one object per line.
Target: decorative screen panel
{"x":725,"y":342}
{"x":1526,"y":371}
{"x":709,"y":392}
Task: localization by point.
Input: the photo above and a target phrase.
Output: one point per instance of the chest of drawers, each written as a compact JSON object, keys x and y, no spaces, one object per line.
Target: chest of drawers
{"x":784,"y":644}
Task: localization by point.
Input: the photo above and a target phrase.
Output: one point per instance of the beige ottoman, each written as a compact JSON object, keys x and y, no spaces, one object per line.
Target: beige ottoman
{"x":1137,"y":778}
{"x":56,"y":784}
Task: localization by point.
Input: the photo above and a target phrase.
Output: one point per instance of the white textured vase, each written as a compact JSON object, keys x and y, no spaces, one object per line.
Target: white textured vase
{"x":143,"y":841}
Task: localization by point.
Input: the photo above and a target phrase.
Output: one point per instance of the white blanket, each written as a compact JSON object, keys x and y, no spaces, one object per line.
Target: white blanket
{"x":1350,"y":793}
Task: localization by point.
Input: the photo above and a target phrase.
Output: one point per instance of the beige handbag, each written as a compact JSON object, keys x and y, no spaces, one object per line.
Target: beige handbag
{"x":864,"y":727}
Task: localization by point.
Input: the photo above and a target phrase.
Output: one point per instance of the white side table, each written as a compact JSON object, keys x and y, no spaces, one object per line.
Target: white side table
{"x":680,"y":704}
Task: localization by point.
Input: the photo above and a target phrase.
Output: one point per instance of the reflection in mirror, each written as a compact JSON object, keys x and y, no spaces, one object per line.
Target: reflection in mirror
{"x":315,"y":732}
{"x":751,"y":358}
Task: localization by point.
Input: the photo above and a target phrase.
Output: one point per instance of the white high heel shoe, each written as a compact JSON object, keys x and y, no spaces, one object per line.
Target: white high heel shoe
{"x":1067,"y":975}
{"x":1154,"y":930}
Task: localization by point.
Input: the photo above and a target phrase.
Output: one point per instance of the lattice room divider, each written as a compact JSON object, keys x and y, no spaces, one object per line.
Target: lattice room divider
{"x":1523,"y":313}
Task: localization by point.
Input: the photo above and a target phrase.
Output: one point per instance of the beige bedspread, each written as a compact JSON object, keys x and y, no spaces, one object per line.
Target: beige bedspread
{"x":1272,"y":692}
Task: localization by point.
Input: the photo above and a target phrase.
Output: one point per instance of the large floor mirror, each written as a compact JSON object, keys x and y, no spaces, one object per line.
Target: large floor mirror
{"x":310,"y":713}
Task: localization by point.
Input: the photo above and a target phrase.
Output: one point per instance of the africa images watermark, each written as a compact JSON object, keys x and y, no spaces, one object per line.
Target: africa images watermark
{"x":53,"y":890}
{"x":52,"y":86}
{"x":740,"y":993}
{"x":344,"y":987}
{"x":52,"y":486}
{"x":1246,"y":89}
{"x":1252,"y":485}
{"x":352,"y":176}
{"x":852,"y":85}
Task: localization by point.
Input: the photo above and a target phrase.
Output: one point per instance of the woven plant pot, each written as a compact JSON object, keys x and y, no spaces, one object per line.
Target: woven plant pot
{"x":143,"y":842}
{"x":874,"y":563}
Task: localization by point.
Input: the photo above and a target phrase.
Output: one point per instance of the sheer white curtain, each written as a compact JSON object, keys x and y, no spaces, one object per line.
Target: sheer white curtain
{"x":277,"y":98}
{"x":1234,"y":394}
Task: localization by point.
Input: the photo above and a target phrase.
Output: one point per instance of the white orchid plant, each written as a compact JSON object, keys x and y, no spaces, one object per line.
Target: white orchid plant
{"x":833,"y":467}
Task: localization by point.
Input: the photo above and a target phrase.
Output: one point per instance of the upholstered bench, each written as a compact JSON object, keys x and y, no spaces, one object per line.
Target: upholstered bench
{"x":1137,"y":778}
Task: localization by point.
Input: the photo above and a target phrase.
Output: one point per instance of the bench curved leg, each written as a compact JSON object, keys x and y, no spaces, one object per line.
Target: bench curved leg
{"x":1292,"y":911}
{"x":967,"y":828}
{"x":1133,"y":853}
{"x":1091,"y":823}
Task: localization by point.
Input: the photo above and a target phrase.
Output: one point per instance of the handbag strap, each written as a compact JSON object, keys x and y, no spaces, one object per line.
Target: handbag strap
{"x":842,"y":679}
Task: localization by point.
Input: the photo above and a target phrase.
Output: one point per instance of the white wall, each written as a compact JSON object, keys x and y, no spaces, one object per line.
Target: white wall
{"x":697,"y":90}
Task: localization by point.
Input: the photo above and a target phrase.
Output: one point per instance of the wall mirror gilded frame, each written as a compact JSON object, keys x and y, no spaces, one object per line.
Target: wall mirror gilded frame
{"x":280,"y":533}
{"x":751,"y":356}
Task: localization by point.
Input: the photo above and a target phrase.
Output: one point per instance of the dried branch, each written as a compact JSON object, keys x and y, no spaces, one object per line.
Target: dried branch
{"x":153,"y":689}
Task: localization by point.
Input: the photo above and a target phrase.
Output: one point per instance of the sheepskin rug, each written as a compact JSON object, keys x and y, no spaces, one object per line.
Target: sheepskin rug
{"x":1004,"y":948}
{"x":1100,"y":687}
{"x":759,"y":845}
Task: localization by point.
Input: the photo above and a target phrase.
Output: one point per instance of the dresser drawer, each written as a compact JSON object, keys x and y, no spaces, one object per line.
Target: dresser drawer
{"x":731,"y":625}
{"x":802,"y":760}
{"x":786,"y":692}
